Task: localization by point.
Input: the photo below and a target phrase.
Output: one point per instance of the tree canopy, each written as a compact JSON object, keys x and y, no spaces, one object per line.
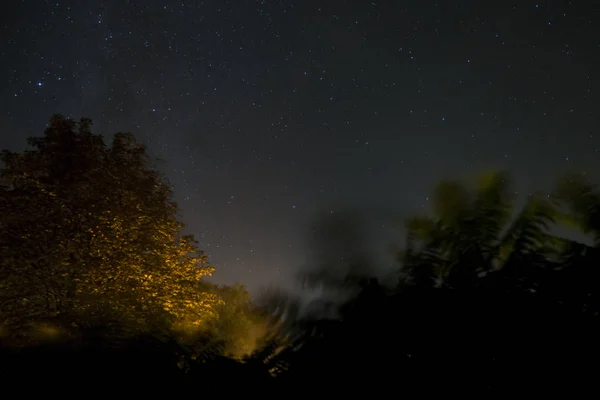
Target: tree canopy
{"x":490,"y":298}
{"x":89,"y":232}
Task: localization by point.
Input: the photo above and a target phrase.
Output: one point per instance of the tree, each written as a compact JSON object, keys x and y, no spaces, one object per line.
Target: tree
{"x":578,"y":273}
{"x":238,"y":331}
{"x":473,"y":233}
{"x":494,"y":301}
{"x":89,"y":232}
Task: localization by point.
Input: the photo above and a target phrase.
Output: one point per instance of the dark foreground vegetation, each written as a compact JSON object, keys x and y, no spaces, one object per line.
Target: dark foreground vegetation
{"x":100,"y":293}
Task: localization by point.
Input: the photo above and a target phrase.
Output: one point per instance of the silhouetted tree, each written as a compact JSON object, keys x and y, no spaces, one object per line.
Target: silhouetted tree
{"x":491,"y":302}
{"x":471,"y":235}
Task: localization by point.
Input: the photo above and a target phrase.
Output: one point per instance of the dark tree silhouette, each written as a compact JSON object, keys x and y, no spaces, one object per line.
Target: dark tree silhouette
{"x":491,"y":301}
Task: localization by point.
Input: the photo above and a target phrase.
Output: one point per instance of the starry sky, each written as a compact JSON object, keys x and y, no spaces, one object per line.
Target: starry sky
{"x":269,"y":113}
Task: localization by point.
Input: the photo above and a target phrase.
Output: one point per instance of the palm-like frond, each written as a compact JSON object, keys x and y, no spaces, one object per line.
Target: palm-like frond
{"x":528,"y":232}
{"x":464,"y":240}
{"x":491,"y":211}
{"x":581,"y":205}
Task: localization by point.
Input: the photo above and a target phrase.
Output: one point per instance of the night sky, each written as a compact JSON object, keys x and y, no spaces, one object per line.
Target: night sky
{"x":270,"y":112}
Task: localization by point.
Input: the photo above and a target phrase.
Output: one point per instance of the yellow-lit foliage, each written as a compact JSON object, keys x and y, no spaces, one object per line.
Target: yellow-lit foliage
{"x":46,"y":332}
{"x":237,"y":332}
{"x":90,"y":232}
{"x":136,"y":282}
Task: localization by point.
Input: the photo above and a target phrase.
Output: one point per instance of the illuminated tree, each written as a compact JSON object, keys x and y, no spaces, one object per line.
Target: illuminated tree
{"x":239,"y":330}
{"x":90,"y":232}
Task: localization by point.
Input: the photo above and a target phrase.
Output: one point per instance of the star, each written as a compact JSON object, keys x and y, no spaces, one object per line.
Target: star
{"x":278,"y":103}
